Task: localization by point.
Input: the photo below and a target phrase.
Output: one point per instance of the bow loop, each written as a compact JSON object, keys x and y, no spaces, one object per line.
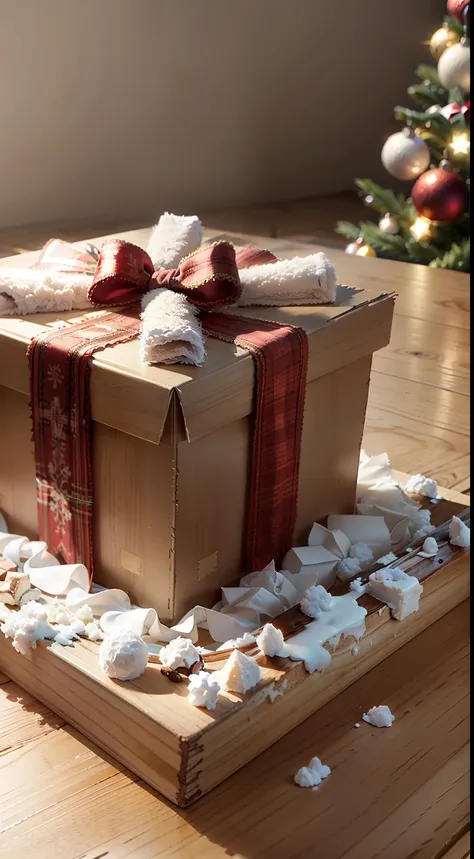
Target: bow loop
{"x":122,"y":275}
{"x":208,"y":277}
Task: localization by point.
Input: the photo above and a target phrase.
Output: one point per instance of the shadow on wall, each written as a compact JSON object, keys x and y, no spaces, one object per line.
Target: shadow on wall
{"x":125,"y":107}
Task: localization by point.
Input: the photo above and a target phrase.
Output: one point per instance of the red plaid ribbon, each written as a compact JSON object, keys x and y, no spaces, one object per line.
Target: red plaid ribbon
{"x":280,"y":354}
{"x":60,"y":408}
{"x":60,"y":395}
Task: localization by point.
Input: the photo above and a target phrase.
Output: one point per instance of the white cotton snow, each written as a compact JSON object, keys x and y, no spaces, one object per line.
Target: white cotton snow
{"x":396,"y":589}
{"x":243,"y":640}
{"x":58,"y":613}
{"x":27,"y":626}
{"x":357,"y":588}
{"x":345,"y":618}
{"x":379,"y":717}
{"x":418,"y":484}
{"x":85,"y":613}
{"x":180,"y":652}
{"x":312,"y":775}
{"x":419,"y":518}
{"x":271,"y":642}
{"x":123,"y":656}
{"x":363,"y":553}
{"x":203,"y":690}
{"x":422,"y":532}
{"x":316,"y":600}
{"x":459,"y":533}
{"x":347,"y":568}
{"x":69,"y":632}
{"x":93,"y":631}
{"x":240,"y":673}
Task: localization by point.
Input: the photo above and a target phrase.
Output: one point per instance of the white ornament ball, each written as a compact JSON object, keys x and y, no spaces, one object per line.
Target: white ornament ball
{"x":389,"y":225}
{"x":405,"y":156}
{"x":353,"y":247}
{"x":454,"y":67}
{"x":123,"y":656}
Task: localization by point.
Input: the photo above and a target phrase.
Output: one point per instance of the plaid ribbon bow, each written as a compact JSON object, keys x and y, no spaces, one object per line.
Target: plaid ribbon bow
{"x":208,"y":277}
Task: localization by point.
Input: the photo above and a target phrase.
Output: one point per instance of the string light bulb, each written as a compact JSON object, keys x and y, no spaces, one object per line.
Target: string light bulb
{"x":421,"y":229}
{"x":460,"y":144}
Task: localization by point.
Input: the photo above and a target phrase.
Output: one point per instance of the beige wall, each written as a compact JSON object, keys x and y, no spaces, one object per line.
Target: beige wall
{"x":125,"y":107}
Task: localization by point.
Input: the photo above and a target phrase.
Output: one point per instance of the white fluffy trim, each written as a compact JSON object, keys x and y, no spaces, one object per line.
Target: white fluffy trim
{"x":174,"y":237}
{"x":24,"y":291}
{"x":302,"y":280}
{"x":171,"y":332}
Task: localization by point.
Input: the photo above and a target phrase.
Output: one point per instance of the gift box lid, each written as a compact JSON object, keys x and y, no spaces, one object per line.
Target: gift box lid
{"x":136,"y":398}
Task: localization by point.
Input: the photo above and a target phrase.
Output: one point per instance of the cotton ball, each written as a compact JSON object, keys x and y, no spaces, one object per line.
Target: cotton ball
{"x":203,"y":690}
{"x":312,"y":775}
{"x":24,"y":639}
{"x":271,"y":642}
{"x":320,"y":768}
{"x":306,"y":777}
{"x":58,"y":613}
{"x":379,"y":717}
{"x":85,"y":613}
{"x":357,"y":588}
{"x":347,"y":568}
{"x":430,"y":546}
{"x":363,"y":553}
{"x":418,"y":484}
{"x":123,"y":656}
{"x":459,"y":533}
{"x":316,"y":600}
{"x":180,"y":652}
{"x":93,"y":631}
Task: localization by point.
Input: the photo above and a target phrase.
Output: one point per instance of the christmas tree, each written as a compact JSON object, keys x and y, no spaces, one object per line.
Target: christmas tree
{"x":431,"y":225}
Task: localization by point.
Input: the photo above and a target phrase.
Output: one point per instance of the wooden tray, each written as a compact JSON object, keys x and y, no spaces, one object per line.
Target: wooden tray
{"x":183,"y":751}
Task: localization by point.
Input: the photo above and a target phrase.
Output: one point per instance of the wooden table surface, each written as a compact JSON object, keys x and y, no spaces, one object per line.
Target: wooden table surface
{"x":399,"y":793}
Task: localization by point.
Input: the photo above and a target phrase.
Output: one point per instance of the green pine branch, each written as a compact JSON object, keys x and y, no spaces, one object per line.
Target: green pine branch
{"x":458,"y":257}
{"x":430,"y":74}
{"x":385,"y":200}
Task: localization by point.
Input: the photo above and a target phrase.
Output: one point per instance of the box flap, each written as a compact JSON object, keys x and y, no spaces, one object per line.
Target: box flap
{"x":135,"y":398}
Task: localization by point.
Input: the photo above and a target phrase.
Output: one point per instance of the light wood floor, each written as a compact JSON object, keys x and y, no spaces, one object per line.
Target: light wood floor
{"x":310,"y":220}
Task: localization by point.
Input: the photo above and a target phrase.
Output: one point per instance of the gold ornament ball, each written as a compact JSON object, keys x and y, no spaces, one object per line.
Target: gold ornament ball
{"x":365,"y":250}
{"x":361,"y":249}
{"x":442,"y":39}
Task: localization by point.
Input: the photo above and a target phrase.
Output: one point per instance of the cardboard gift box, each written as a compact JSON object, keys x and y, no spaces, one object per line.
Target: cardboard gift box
{"x":171,"y":446}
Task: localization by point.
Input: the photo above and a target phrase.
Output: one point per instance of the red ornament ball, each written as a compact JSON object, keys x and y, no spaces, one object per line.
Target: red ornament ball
{"x":440,"y":195}
{"x":455,"y":8}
